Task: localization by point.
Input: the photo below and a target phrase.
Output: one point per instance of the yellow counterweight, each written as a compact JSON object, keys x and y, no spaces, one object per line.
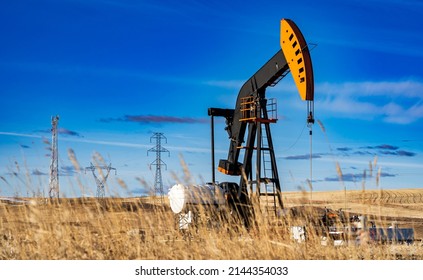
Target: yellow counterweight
{"x":297,"y":56}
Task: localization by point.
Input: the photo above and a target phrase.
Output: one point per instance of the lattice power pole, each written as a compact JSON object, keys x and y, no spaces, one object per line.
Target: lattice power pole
{"x":158,"y":149}
{"x":103,"y":178}
{"x":54,"y":165}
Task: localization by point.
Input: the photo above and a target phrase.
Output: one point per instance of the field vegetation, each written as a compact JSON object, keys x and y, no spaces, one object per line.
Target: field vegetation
{"x":143,"y":228}
{"x":146,"y":228}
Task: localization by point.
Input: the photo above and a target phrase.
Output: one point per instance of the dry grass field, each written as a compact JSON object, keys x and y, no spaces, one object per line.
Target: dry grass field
{"x":135,"y":228}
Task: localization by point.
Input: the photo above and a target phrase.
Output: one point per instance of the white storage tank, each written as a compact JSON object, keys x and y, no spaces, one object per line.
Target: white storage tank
{"x":180,"y":196}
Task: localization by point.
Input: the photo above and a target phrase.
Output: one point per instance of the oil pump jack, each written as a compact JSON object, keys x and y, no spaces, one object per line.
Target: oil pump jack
{"x":255,"y":112}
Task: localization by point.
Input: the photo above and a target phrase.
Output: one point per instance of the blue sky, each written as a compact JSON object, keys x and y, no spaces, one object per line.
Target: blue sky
{"x":117,"y":71}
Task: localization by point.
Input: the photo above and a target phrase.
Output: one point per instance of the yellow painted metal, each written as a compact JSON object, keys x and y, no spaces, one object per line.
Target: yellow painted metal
{"x":226,"y":172}
{"x":297,"y":56}
{"x":248,"y":109}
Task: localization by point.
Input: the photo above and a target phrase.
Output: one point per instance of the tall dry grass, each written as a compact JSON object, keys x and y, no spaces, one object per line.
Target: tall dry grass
{"x":137,"y":229}
{"x":141,"y":228}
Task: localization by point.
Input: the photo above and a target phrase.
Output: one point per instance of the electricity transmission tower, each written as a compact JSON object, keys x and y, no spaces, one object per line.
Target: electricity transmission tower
{"x":54,"y":165}
{"x":158,"y":149}
{"x":103,"y":178}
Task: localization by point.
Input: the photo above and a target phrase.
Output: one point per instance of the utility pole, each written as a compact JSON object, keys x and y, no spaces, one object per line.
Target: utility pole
{"x":103,"y":178}
{"x":158,"y":149}
{"x":54,"y":165}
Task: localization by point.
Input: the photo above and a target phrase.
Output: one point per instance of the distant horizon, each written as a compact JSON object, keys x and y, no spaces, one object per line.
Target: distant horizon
{"x":166,"y":194}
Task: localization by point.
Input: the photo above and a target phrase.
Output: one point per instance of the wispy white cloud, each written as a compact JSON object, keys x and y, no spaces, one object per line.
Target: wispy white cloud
{"x":141,"y":146}
{"x":365,"y":162}
{"x":108,"y":143}
{"x":19,"y":134}
{"x":91,"y":70}
{"x":406,"y":88}
{"x":228,"y":84}
{"x":117,"y":143}
{"x":391,"y":112}
{"x":155,"y":119}
{"x":399,"y":102}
